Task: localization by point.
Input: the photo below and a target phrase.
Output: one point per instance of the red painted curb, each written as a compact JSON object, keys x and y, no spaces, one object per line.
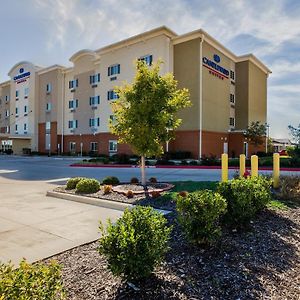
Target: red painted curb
{"x":179,"y":167}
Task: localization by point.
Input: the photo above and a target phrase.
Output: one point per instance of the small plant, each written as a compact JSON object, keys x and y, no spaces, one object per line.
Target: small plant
{"x":72,"y":182}
{"x":199,"y":215}
{"x":152,"y":180}
{"x":31,"y":281}
{"x":155,"y":194}
{"x":245,"y":197}
{"x":88,"y":186}
{"x":111,"y":180}
{"x":134,"y":180}
{"x":136,"y":243}
{"x":183,"y":193}
{"x":129,"y":194}
{"x":107,"y":189}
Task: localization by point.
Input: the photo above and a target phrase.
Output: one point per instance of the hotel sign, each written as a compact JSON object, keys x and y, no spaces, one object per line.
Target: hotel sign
{"x":22,"y":76}
{"x":214,"y":67}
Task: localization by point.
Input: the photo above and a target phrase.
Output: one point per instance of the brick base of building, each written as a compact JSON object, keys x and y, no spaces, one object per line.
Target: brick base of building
{"x":213,"y":143}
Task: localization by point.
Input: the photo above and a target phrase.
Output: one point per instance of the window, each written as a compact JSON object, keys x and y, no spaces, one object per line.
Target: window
{"x":48,"y":87}
{"x":94,"y":122}
{"x":72,"y":146}
{"x":73,"y":83}
{"x":231,"y":122}
{"x":94,"y":146}
{"x":147,"y":59}
{"x":25,"y":127}
{"x":232,"y":98}
{"x":7,"y":113}
{"x":48,"y":106}
{"x":6,"y":98}
{"x":48,"y":125}
{"x":95,"y":78}
{"x":7,"y":129}
{"x":73,"y":124}
{"x":232,"y":74}
{"x":25,"y":109}
{"x":112,"y":119}
{"x":73,"y":103}
{"x":17,"y":111}
{"x":17,"y":94}
{"x":113,"y":70}
{"x":16,"y":128}
{"x":112,"y":95}
{"x":26,"y":92}
{"x":95,"y":100}
{"x":113,"y":146}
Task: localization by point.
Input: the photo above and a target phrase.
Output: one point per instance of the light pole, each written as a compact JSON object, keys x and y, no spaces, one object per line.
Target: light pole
{"x":81,"y":146}
{"x":268,"y":136}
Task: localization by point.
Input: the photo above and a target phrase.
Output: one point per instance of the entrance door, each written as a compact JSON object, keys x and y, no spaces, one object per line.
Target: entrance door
{"x":246,"y":149}
{"x":225,"y":148}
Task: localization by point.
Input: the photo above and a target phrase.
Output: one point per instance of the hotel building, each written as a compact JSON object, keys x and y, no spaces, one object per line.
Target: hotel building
{"x":67,"y":110}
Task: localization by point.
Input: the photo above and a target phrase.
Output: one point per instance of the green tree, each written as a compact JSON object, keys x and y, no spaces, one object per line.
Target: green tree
{"x":295,"y":133}
{"x":145,"y":113}
{"x":255,"y":132}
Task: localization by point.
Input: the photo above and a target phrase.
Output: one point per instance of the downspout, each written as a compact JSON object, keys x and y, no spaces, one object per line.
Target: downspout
{"x":201,"y":100}
{"x":62,"y":111}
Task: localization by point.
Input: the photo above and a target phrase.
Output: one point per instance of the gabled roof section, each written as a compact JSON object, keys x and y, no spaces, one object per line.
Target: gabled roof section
{"x":50,"y":68}
{"x":81,"y":53}
{"x":254,"y":60}
{"x":163,"y":30}
{"x":23,"y":63}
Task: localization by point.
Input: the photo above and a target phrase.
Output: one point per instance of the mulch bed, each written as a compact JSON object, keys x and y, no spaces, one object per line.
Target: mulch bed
{"x":261,"y":263}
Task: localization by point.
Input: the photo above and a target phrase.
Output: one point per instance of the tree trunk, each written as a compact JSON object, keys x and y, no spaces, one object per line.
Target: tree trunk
{"x":143,"y":170}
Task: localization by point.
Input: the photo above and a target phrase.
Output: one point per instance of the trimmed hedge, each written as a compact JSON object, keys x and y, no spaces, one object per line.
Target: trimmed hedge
{"x":199,"y":215}
{"x":111,"y":180}
{"x":136,"y":243}
{"x":72,"y":182}
{"x":88,"y":186}
{"x":245,"y":198}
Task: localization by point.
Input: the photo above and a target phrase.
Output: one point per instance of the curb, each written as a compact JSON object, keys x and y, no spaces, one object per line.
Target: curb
{"x":92,"y":201}
{"x":97,"y":202}
{"x":180,"y":167}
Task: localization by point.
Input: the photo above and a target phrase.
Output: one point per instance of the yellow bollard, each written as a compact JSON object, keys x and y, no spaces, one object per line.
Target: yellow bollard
{"x":242,"y":164}
{"x":276,"y":170}
{"x":254,"y":166}
{"x":224,"y":167}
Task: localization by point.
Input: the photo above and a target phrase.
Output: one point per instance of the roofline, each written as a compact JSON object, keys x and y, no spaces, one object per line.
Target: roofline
{"x":50,"y":68}
{"x":254,"y":60}
{"x":5,"y":83}
{"x":139,"y":37}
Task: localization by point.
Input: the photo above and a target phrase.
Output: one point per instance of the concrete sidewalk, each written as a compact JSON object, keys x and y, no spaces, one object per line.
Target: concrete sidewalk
{"x":35,"y":226}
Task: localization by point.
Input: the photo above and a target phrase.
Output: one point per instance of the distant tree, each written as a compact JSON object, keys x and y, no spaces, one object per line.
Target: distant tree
{"x":146,"y":111}
{"x":255,"y":132}
{"x":295,"y":133}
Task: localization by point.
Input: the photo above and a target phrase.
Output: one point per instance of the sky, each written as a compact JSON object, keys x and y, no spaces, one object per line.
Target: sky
{"x":48,"y":32}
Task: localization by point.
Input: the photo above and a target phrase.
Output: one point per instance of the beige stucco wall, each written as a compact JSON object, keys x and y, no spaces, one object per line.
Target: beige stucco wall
{"x":5,"y":105}
{"x":216,"y":93}
{"x":187,"y":73}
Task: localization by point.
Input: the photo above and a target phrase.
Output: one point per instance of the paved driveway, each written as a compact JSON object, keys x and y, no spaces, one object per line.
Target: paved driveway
{"x":35,"y":226}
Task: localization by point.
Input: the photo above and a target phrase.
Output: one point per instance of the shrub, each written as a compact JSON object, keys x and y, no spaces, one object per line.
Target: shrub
{"x":164,"y":162}
{"x":183,"y":193}
{"x":111,"y":180}
{"x":212,"y":160}
{"x":129,"y":194}
{"x":136,"y":243}
{"x":245,"y":197}
{"x":290,"y":187}
{"x":155,"y":194}
{"x":107,"y":189}
{"x":88,"y":186}
{"x":31,"y":281}
{"x":121,"y":158}
{"x":193,"y":163}
{"x":134,"y":180}
{"x":152,"y":180}
{"x":199,"y":214}
{"x":72,"y":182}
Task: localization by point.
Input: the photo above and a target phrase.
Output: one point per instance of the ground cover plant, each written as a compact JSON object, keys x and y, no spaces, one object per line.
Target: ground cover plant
{"x":31,"y":281}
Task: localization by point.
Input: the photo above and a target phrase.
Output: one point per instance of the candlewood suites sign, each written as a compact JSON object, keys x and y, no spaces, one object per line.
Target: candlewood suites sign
{"x":214,"y":67}
{"x":22,"y":76}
